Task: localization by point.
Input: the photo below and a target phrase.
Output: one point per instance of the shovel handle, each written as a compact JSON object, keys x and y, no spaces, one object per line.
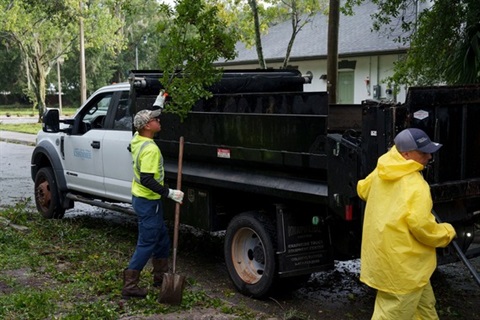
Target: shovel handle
{"x":461,"y":255}
{"x":177,"y":205}
{"x":180,"y":162}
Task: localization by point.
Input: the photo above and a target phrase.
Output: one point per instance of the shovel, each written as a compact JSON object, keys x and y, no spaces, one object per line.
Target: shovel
{"x":172,"y":283}
{"x":461,"y":255}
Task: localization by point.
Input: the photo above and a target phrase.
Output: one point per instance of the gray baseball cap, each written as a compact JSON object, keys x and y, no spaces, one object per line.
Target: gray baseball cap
{"x":415,"y":139}
{"x":144,"y":116}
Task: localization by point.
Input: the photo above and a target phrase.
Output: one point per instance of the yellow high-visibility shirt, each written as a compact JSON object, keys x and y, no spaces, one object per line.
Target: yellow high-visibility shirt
{"x":147,"y":158}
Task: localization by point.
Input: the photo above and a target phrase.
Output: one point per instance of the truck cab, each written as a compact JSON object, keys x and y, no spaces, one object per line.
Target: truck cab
{"x":90,"y":151}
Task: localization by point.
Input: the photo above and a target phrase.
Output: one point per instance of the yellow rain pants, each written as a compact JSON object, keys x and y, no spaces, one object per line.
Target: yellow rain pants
{"x":418,"y":305}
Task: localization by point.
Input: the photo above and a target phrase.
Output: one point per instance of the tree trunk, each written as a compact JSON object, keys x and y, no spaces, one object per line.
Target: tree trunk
{"x":332,"y":54}
{"x":295,"y":30}
{"x":41,"y":80}
{"x":258,"y":39}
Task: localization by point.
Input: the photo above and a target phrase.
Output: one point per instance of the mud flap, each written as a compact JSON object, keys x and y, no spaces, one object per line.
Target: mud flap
{"x":303,"y":242}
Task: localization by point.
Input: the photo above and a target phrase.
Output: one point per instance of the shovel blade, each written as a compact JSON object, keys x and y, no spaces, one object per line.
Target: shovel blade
{"x":172,"y":289}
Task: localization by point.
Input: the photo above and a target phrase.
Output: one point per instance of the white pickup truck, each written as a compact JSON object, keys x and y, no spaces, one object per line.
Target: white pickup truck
{"x":90,"y":157}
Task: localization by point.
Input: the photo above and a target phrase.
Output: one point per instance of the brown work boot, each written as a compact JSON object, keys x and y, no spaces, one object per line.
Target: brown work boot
{"x":130,"y":285}
{"x":160,"y":266}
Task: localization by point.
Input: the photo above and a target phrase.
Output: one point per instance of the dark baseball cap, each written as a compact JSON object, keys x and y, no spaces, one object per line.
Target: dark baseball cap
{"x":415,"y":139}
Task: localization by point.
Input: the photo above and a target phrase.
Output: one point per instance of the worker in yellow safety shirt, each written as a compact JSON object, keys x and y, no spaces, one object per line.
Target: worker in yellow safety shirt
{"x":400,"y":233}
{"x":147,"y":194}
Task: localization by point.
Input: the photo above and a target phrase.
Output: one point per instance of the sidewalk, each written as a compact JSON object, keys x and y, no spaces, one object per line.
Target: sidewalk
{"x":17,"y":137}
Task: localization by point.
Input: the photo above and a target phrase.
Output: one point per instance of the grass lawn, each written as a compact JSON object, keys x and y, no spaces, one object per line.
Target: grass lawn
{"x":25,"y":111}
{"x":72,"y":269}
{"x":31,"y":128}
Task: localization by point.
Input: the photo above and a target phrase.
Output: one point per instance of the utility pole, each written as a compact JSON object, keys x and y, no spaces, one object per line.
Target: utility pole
{"x":136,"y":57}
{"x":83,"y":81}
{"x":136,"y":51}
{"x":332,"y":50}
{"x":59,"y":62}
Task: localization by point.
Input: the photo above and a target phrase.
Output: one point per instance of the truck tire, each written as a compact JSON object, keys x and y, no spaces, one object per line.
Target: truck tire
{"x":250,"y":254}
{"x":47,"y":197}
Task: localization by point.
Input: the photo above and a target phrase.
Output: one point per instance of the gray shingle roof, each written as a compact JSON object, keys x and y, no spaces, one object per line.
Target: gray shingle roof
{"x":355,"y":38}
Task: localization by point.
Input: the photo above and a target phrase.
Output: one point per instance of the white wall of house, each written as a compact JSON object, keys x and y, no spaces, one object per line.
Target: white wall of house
{"x":374,"y":68}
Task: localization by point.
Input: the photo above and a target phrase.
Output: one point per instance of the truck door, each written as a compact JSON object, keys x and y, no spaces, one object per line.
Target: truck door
{"x":117,"y":159}
{"x":83,"y":148}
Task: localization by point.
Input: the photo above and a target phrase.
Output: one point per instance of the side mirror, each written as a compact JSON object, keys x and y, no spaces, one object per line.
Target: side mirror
{"x":51,"y":121}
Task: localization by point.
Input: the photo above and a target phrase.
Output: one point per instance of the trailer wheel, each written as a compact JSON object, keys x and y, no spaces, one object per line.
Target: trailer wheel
{"x":250,"y":254}
{"x":47,"y":197}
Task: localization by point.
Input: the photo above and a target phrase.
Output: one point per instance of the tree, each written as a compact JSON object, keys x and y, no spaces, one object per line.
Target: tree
{"x":140,"y":20}
{"x":10,"y":61}
{"x":258,"y":37}
{"x":253,"y":18}
{"x":35,"y":30}
{"x":194,"y":38}
{"x":444,"y":40}
{"x":300,"y":13}
{"x":47,"y":30}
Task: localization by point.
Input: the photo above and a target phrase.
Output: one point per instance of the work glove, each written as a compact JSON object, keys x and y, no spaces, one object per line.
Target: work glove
{"x":160,"y":101}
{"x":175,"y":195}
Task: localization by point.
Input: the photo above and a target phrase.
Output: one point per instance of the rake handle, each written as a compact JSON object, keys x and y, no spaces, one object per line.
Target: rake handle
{"x":461,"y":255}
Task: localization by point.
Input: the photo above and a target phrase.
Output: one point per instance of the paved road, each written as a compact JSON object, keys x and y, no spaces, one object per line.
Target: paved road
{"x":19,"y":138}
{"x":15,"y":182}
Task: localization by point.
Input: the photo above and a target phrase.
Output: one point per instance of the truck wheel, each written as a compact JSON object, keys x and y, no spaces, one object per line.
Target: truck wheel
{"x":47,"y":197}
{"x":250,"y":254}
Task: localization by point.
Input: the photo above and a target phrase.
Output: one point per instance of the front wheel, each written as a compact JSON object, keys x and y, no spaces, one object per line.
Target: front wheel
{"x":250,"y":254}
{"x":47,"y":197}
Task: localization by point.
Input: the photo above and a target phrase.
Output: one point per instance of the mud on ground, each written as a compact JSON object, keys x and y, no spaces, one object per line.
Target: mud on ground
{"x":334,"y":294}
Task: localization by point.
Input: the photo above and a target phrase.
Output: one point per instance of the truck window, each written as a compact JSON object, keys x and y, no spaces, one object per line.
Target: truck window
{"x":123,"y":117}
{"x":93,"y":116}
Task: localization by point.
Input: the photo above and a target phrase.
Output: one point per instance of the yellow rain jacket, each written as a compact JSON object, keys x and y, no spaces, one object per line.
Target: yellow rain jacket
{"x":399,"y":231}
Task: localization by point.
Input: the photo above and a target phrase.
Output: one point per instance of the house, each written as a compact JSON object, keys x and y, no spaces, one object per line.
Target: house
{"x":366,"y":58}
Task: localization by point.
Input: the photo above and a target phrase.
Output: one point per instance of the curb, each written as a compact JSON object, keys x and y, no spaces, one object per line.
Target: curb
{"x":18,"y":138}
{"x":18,"y":141}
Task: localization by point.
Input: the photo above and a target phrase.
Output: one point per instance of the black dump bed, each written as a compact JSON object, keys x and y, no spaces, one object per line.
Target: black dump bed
{"x":260,"y":132}
{"x":450,"y":115}
{"x":255,"y":118}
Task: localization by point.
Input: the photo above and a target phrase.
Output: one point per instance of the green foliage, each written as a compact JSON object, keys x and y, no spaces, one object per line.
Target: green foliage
{"x":199,"y":298}
{"x":71,"y":269}
{"x":444,"y":40}
{"x":96,"y":310}
{"x":446,"y":52}
{"x":10,"y":60}
{"x":142,"y":41}
{"x":43,"y":31}
{"x":194,"y":38}
{"x":18,"y":214}
{"x":28,"y":305}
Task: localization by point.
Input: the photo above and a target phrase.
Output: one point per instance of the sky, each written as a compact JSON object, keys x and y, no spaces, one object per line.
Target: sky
{"x":169,"y":2}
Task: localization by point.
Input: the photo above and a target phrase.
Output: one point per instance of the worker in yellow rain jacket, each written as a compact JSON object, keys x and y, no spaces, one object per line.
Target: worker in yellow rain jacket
{"x":400,"y":234}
